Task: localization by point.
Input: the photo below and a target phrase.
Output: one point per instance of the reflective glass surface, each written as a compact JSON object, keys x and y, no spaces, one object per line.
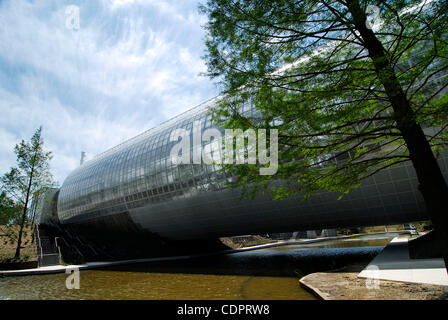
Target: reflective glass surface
{"x":139,"y":171}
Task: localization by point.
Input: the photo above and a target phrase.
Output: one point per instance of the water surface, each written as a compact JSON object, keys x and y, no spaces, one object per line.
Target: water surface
{"x":271,"y":273}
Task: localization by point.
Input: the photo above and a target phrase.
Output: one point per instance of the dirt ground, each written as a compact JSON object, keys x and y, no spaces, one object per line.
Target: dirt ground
{"x":8,"y":246}
{"x":343,"y":284}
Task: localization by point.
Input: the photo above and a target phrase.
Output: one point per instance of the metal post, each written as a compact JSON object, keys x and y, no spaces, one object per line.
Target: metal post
{"x":40,"y":244}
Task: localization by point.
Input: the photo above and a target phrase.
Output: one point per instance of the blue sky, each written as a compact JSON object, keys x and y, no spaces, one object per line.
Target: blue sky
{"x":131,"y":65}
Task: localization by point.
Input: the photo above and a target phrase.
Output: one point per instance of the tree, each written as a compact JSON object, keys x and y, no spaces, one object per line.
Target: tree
{"x":348,"y":100}
{"x":30,"y":177}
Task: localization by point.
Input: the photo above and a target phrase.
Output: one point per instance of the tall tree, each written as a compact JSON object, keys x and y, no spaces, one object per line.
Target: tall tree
{"x":348,"y":95}
{"x":31,"y":175}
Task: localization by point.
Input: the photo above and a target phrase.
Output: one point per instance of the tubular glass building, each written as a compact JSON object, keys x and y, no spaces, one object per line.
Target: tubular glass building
{"x":136,"y":179}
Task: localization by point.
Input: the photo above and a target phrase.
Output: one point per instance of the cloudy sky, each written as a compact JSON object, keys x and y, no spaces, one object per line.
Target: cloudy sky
{"x":130,"y":65}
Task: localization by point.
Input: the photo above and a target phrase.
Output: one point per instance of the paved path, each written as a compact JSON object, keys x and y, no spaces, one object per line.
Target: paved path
{"x":92,"y":265}
{"x":393,"y":263}
{"x":89,"y":265}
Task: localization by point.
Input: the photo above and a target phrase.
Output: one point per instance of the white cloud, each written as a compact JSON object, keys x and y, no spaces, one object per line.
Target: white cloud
{"x":131,"y":65}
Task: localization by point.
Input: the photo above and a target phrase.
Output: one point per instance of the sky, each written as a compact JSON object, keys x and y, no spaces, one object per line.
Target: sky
{"x":95,"y":73}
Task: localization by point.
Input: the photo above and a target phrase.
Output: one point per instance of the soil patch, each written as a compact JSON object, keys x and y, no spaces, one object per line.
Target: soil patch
{"x":344,"y":284}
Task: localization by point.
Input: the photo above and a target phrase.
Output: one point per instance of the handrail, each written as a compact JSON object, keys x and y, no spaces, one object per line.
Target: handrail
{"x":68,"y":245}
{"x":38,"y":239}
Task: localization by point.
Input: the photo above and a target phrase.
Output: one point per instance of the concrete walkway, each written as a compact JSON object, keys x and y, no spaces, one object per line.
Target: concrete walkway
{"x":393,"y":263}
{"x":100,"y":264}
{"x":89,"y":265}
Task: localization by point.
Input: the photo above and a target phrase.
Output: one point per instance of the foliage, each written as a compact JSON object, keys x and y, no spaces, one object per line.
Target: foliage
{"x":30,"y":178}
{"x":32,"y":173}
{"x":9,"y":211}
{"x":308,"y":71}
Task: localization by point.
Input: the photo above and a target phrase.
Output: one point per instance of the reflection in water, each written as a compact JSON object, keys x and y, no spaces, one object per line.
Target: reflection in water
{"x":259,"y":274}
{"x":362,"y":241}
{"x":137,"y":285}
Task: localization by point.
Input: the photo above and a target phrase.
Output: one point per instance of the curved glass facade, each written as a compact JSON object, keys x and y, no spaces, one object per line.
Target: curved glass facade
{"x":137,"y":179}
{"x":139,"y":172}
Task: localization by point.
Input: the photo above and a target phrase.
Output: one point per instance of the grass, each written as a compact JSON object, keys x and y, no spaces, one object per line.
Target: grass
{"x":8,"y":246}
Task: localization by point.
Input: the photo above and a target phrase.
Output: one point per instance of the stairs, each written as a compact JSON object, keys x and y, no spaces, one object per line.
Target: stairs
{"x":47,"y":251}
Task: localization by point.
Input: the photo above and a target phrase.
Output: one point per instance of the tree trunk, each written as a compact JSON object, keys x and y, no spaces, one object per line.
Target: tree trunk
{"x":432,"y":184}
{"x":19,"y":240}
